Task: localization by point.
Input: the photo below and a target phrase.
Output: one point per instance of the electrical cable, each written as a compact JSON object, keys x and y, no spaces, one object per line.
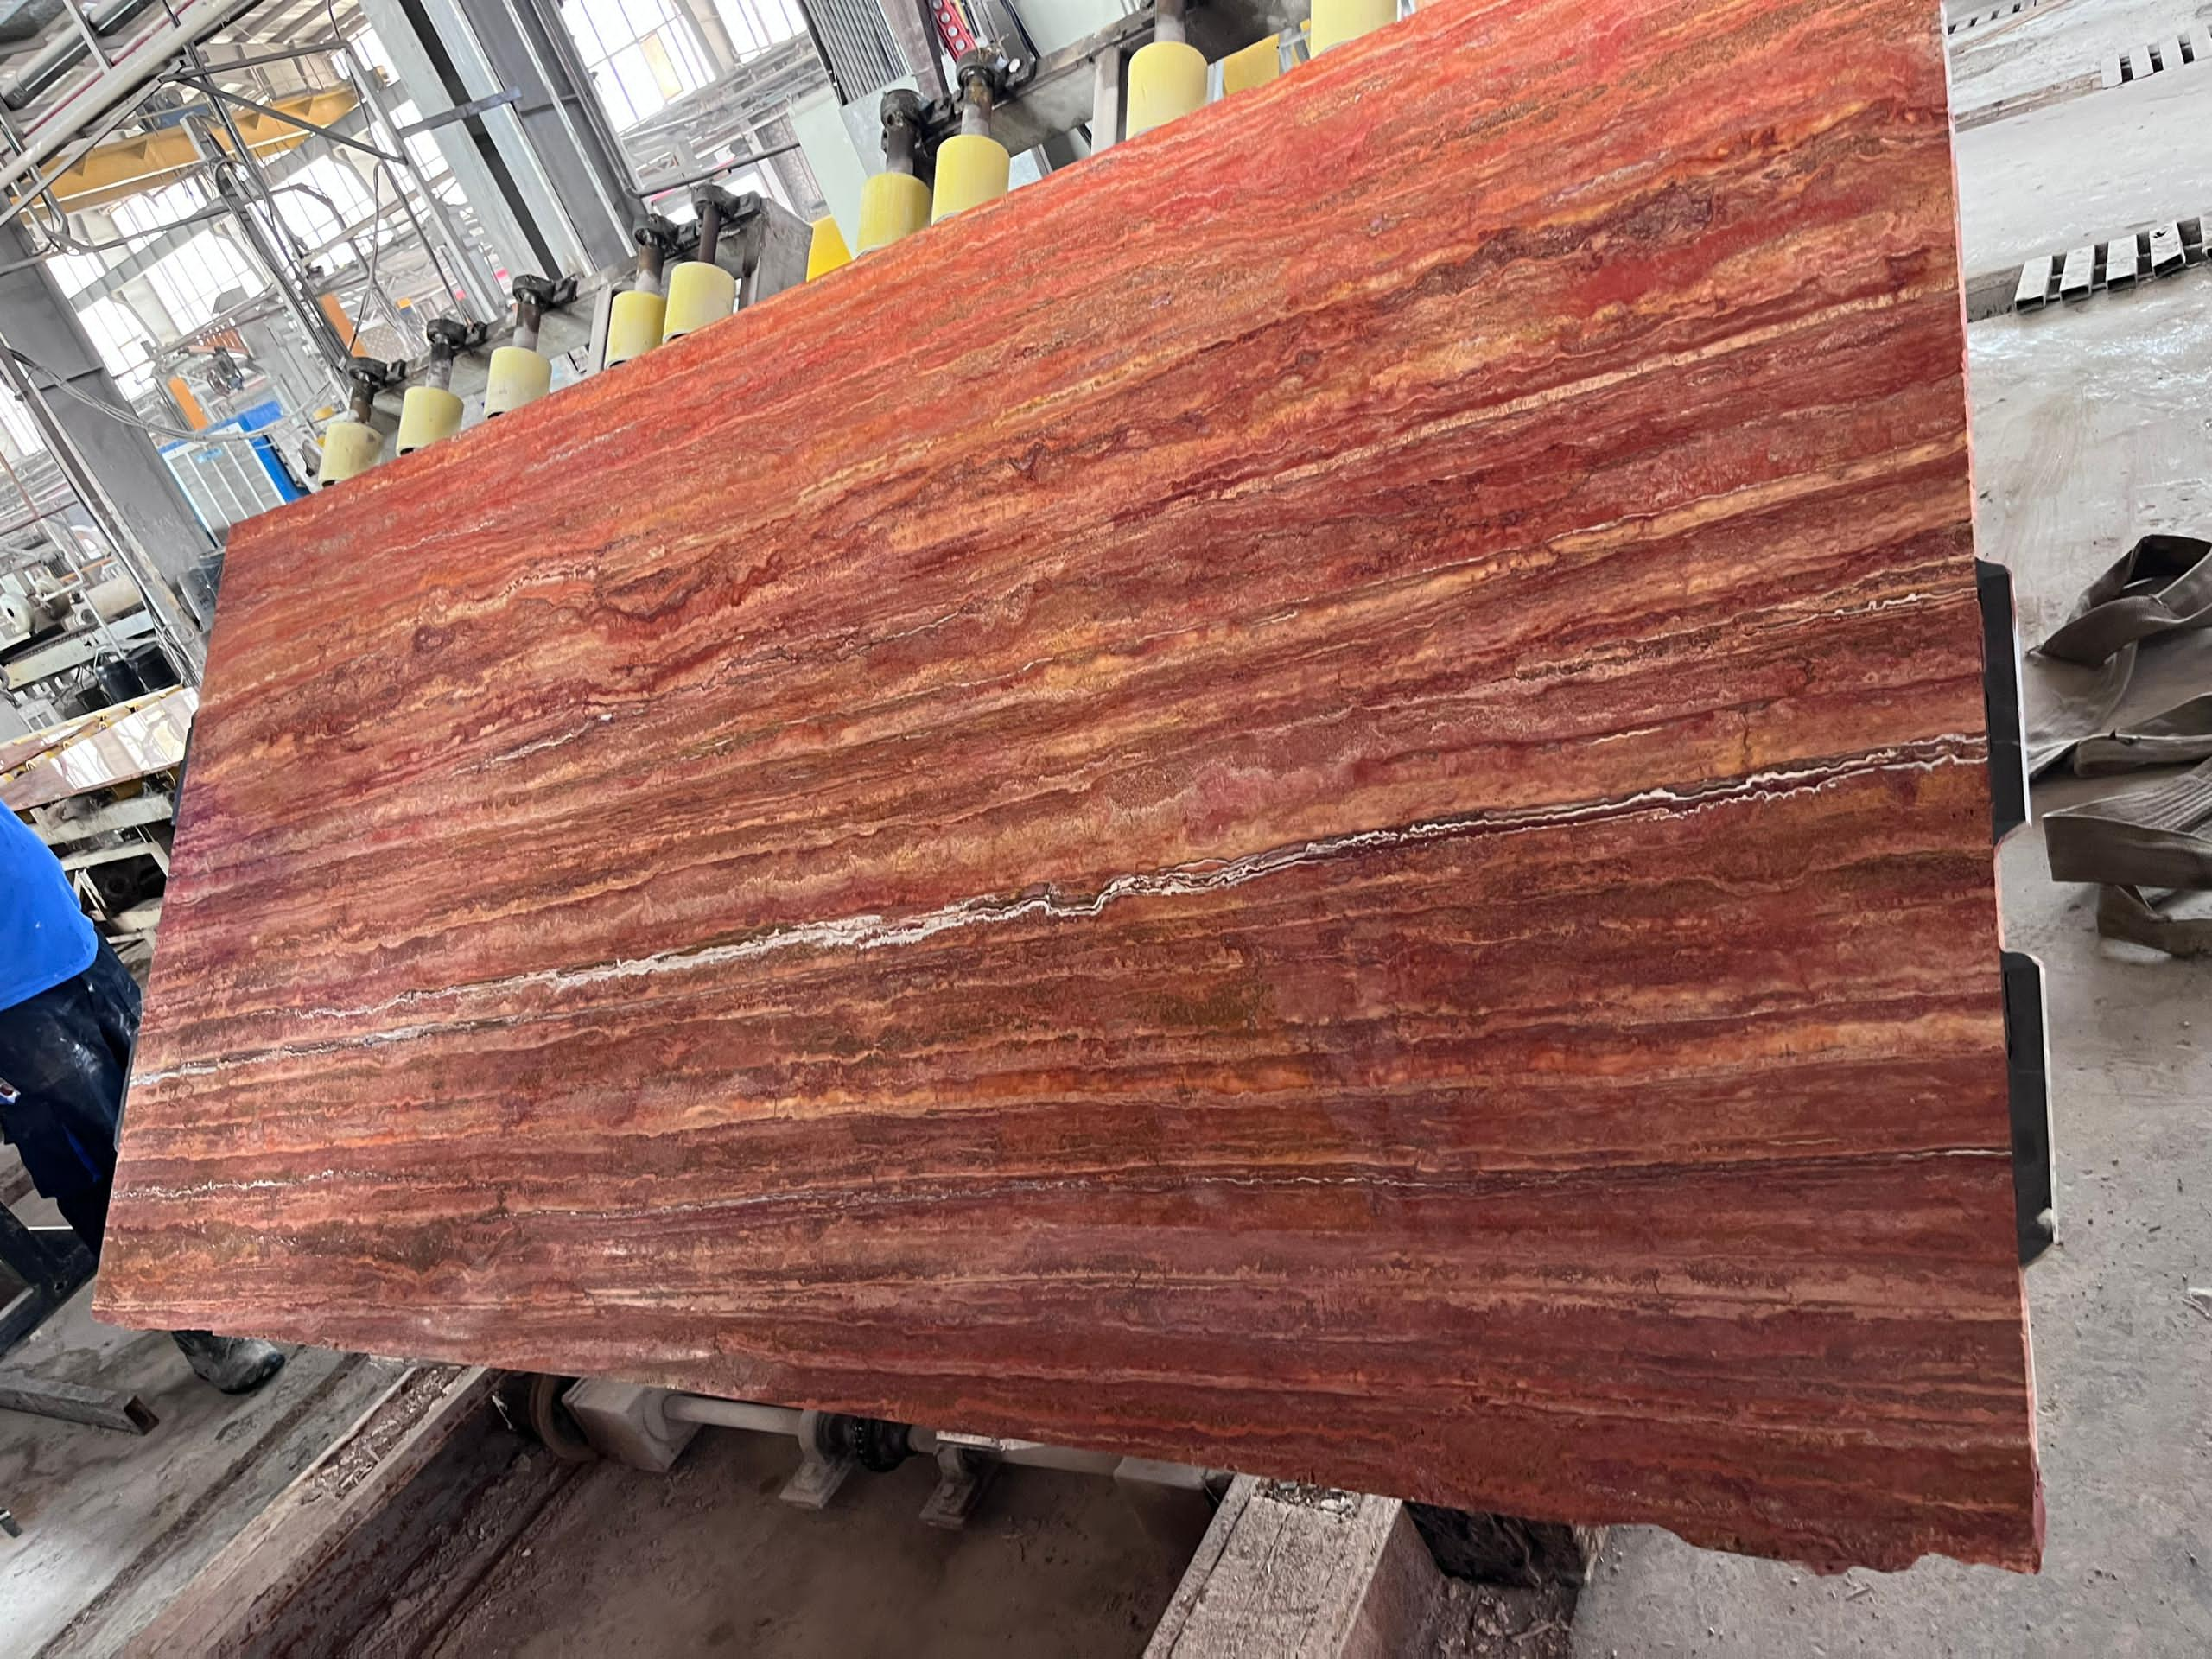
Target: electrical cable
{"x":375,"y":182}
{"x":128,"y":417}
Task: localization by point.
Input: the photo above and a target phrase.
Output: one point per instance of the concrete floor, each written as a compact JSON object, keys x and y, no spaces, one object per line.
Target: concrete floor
{"x":2092,"y":424}
{"x":114,"y":1525}
{"x":706,"y":1559}
{"x":2095,"y":165}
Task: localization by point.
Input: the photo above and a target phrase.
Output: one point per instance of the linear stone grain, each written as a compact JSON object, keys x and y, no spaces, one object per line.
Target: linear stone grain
{"x":1311,"y":799}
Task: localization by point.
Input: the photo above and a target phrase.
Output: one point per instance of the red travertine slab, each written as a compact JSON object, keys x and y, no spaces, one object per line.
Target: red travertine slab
{"x":1311,"y":798}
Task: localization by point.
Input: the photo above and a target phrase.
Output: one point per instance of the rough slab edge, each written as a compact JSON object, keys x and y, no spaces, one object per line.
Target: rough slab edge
{"x":245,"y":1586}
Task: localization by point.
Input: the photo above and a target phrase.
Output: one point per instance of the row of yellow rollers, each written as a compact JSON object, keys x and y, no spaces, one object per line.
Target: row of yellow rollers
{"x":1167,"y":80}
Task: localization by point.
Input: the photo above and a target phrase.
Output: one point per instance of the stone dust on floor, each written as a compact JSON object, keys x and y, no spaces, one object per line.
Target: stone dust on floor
{"x":706,"y":1559}
{"x":113,"y":1523}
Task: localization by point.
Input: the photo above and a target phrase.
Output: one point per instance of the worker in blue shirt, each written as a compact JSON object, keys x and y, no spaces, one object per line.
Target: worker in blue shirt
{"x":69,"y":1017}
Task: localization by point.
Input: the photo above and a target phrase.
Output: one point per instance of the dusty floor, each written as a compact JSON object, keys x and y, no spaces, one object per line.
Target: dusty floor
{"x":2092,"y":424}
{"x":706,"y":1561}
{"x":113,"y":1523}
{"x":2095,"y":165}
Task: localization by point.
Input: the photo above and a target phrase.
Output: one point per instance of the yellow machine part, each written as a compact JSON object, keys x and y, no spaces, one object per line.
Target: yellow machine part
{"x":893,"y":205}
{"x":1255,"y":66}
{"x":427,"y":414}
{"x":195,"y":413}
{"x":349,"y":448}
{"x":333,"y":307}
{"x":972,"y":170}
{"x":123,"y":168}
{"x":1167,"y":80}
{"x":519,"y":375}
{"x":698,"y":294}
{"x":1335,"y":21}
{"x":828,"y":249}
{"x":633,"y":328}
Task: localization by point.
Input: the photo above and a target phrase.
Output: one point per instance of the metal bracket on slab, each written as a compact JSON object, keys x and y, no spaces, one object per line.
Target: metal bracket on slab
{"x":820,"y":1474}
{"x":2027,"y":1065}
{"x":2000,"y":691}
{"x":962,"y":1476}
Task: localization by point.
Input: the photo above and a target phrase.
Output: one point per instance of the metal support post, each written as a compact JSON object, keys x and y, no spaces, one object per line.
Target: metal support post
{"x":547,"y":165}
{"x":92,"y":37}
{"x":484,"y":301}
{"x":915,"y":31}
{"x":1106,"y":99}
{"x":268,"y":239}
{"x":184,"y":641}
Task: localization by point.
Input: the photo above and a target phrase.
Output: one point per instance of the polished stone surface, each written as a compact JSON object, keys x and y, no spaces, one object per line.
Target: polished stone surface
{"x":1311,"y":798}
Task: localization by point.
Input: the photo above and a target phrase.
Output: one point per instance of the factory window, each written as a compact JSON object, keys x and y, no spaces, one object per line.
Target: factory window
{"x":641,"y":55}
{"x":188,"y":281}
{"x":756,"y":25}
{"x":23,"y":432}
{"x":322,"y":201}
{"x":76,"y":272}
{"x":191,"y":280}
{"x":122,"y":344}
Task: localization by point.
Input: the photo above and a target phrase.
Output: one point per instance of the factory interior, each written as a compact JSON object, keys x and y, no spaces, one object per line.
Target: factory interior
{"x":257,"y":250}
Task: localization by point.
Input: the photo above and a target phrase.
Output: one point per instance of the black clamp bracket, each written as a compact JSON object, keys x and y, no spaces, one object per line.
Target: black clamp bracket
{"x":2027,"y":1069}
{"x":2001,"y":700}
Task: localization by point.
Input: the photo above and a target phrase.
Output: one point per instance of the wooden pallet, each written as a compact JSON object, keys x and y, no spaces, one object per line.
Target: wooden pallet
{"x":1995,"y":14}
{"x":2121,"y":262}
{"x":2188,"y":46}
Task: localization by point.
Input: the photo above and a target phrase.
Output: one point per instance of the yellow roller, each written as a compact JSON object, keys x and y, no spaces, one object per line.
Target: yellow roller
{"x":635,"y":328}
{"x":698,"y":294}
{"x":828,"y":249}
{"x":972,"y":170}
{"x":1255,"y":66}
{"x":519,"y":375}
{"x":1167,"y":80}
{"x":427,"y":414}
{"x":893,"y":205}
{"x":349,"y":448}
{"x":1335,"y":21}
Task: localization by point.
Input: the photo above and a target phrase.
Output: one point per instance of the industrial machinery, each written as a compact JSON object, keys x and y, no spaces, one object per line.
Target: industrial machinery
{"x":520,"y":372}
{"x":430,"y":409}
{"x":352,"y":444}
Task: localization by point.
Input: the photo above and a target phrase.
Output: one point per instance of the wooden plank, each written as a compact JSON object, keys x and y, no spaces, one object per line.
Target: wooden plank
{"x":71,"y":1402}
{"x":2034,"y":290}
{"x":1350,"y":838}
{"x":86,"y":857}
{"x":152,"y":807}
{"x":1289,"y":1571}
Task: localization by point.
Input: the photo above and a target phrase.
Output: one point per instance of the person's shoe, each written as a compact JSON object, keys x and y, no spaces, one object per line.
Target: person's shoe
{"x":234,"y":1364}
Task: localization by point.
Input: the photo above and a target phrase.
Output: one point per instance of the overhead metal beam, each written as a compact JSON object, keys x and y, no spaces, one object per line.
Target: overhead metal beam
{"x":120,"y":83}
{"x":200,"y":83}
{"x":126,"y":487}
{"x":125,"y":166}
